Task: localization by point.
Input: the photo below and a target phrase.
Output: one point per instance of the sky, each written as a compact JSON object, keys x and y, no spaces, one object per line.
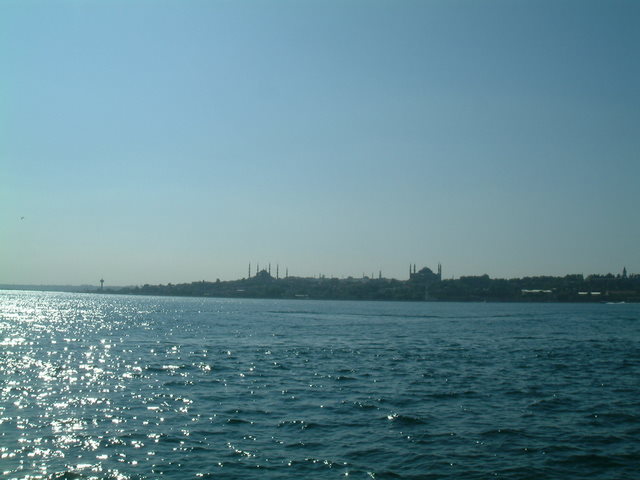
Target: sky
{"x":178,"y":140}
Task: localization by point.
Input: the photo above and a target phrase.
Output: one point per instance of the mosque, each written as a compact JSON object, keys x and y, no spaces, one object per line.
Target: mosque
{"x":424,"y":275}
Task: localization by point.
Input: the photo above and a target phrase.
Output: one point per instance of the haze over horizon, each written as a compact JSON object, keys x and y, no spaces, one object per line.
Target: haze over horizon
{"x":174,"y":141}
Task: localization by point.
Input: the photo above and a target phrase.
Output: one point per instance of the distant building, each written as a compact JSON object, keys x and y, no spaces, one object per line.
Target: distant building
{"x":263,"y":275}
{"x":425,"y":275}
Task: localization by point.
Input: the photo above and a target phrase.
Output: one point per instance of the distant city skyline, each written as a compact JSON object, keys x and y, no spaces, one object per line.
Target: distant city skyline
{"x":174,"y":141}
{"x":413,"y":269}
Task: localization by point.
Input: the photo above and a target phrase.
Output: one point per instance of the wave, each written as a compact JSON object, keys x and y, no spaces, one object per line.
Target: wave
{"x":406,"y":419}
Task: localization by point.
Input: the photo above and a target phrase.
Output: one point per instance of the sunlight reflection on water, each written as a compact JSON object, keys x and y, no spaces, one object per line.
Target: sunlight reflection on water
{"x":140,"y":387}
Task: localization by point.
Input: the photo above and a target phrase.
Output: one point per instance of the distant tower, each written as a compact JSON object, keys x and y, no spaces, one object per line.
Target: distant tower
{"x":414,"y":268}
{"x":249,"y":270}
{"x":101,"y":283}
{"x":439,"y":271}
{"x":269,"y":268}
{"x":286,"y":274}
{"x":380,"y":275}
{"x":624,"y":272}
{"x":277,"y":271}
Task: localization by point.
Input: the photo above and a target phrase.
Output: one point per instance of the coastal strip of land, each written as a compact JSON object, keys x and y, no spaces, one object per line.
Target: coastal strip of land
{"x":423,"y":285}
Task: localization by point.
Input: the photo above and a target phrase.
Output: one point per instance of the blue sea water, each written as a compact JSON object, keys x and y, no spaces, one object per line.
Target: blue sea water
{"x":123,"y":387}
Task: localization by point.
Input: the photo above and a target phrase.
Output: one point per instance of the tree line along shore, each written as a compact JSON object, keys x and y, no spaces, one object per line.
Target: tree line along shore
{"x":422,"y":286}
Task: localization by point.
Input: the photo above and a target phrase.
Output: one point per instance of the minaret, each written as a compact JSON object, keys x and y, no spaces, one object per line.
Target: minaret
{"x":101,"y":283}
{"x":624,"y":272}
{"x":249,"y":270}
{"x":277,"y":271}
{"x":439,"y":271}
{"x":269,"y":268}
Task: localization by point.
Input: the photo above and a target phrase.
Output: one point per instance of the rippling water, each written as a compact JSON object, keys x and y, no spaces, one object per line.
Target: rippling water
{"x":146,"y":387}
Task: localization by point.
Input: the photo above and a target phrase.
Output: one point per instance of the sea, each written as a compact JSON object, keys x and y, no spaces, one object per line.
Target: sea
{"x":134,"y":387}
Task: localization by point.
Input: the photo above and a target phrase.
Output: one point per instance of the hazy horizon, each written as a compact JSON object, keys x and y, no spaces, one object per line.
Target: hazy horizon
{"x":175,"y":141}
{"x":371,"y":275}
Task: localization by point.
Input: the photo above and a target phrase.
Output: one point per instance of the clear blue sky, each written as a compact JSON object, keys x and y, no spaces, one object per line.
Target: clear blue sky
{"x":171,"y":141}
